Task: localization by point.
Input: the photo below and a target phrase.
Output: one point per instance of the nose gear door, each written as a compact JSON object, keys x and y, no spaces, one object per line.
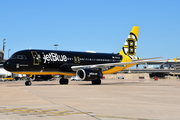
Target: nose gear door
{"x":35,"y":58}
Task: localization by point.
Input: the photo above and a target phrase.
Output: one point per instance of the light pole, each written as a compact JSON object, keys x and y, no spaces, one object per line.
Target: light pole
{"x":4,"y":44}
{"x":8,"y":52}
{"x":55,"y":46}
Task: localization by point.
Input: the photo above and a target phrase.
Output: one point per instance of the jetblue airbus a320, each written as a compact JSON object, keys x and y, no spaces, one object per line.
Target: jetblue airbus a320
{"x":84,"y":65}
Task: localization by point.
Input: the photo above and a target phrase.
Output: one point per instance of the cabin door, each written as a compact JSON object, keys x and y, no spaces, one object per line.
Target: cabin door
{"x":35,"y":58}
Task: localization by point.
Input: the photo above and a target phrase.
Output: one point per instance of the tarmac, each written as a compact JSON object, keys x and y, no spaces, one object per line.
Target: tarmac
{"x":79,"y":100}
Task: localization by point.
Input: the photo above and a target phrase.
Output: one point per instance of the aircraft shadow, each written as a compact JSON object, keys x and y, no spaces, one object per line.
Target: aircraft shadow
{"x":119,"y":83}
{"x":115,"y":83}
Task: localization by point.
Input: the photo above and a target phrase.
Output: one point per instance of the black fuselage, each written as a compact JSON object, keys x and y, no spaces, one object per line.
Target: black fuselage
{"x":55,"y":61}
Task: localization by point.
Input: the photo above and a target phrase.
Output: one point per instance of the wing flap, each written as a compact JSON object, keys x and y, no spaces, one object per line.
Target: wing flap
{"x":123,"y":64}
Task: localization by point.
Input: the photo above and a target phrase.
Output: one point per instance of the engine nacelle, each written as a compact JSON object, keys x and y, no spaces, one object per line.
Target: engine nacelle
{"x":89,"y":74}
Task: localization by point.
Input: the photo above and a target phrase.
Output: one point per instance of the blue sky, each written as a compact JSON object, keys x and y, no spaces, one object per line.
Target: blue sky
{"x":97,"y":25}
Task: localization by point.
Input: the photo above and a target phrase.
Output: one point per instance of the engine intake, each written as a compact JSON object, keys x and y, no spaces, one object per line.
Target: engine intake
{"x":89,"y":74}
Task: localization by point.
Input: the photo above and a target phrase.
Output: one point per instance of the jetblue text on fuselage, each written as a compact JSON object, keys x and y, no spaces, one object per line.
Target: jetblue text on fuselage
{"x":54,"y":57}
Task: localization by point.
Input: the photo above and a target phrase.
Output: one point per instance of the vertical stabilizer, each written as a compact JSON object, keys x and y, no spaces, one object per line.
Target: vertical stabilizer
{"x":130,"y":45}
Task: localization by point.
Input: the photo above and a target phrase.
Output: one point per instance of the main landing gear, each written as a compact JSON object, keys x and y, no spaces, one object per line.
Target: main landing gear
{"x":63,"y":81}
{"x":96,"y":82}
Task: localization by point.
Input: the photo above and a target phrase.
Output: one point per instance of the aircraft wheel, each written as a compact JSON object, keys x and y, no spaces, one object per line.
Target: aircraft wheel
{"x":63,"y":81}
{"x":96,"y":82}
{"x":28,"y":83}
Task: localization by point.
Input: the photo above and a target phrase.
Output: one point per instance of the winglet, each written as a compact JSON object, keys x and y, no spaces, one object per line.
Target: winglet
{"x":175,"y":59}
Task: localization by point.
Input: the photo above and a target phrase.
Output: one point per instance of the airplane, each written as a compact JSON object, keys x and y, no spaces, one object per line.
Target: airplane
{"x":86,"y":66}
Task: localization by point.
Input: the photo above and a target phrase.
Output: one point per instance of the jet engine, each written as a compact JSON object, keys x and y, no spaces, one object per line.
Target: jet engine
{"x":89,"y":74}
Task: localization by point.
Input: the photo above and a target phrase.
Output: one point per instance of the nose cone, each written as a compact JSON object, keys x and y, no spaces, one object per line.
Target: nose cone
{"x":7,"y":65}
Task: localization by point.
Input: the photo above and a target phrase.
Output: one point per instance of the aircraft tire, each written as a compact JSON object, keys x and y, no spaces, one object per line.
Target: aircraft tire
{"x":63,"y":81}
{"x":28,"y":83}
{"x":96,"y":82}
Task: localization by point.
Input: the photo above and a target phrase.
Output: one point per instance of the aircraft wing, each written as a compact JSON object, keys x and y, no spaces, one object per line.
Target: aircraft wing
{"x":123,"y":64}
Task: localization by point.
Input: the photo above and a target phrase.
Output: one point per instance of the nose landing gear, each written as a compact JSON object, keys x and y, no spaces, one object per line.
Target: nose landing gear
{"x":28,"y":83}
{"x":29,"y":79}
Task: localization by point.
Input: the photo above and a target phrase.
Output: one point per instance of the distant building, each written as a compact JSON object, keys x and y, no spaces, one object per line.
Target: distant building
{"x":1,"y":56}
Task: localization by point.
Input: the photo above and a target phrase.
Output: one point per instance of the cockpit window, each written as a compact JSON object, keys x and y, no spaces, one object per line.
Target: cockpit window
{"x":18,"y":57}
{"x":14,"y":57}
{"x":24,"y":57}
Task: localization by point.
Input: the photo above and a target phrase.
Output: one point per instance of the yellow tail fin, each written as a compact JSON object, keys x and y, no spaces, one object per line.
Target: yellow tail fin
{"x":130,"y":45}
{"x":175,"y":59}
